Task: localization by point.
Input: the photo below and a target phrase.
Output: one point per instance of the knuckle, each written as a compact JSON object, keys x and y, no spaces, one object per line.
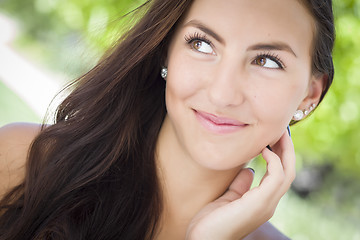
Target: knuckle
{"x":280,"y":178}
{"x":265,"y":210}
{"x":292,"y":176}
{"x":269,"y":213}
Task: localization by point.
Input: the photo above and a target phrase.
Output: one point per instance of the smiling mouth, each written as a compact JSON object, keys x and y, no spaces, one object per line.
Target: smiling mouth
{"x":218,"y":125}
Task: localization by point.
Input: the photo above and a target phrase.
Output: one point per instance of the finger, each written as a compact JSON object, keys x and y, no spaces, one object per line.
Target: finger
{"x":274,"y":167}
{"x":280,"y":169}
{"x":288,"y":155}
{"x":284,"y":148}
{"x":240,"y":185}
{"x":243,"y":204}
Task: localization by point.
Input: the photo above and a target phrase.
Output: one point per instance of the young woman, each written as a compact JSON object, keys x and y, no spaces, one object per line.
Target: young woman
{"x":152,"y":143}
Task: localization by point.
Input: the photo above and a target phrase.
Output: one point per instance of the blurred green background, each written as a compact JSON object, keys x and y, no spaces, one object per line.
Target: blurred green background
{"x":67,"y":37}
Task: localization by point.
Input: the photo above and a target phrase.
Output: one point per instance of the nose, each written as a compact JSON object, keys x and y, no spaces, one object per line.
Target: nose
{"x":225,"y":88}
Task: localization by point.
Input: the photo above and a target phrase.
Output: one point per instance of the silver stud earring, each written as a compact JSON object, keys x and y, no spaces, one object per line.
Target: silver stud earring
{"x":164,"y":72}
{"x":299,"y":114}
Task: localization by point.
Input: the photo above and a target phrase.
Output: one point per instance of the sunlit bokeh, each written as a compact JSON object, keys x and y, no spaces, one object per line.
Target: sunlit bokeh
{"x":44,"y":44}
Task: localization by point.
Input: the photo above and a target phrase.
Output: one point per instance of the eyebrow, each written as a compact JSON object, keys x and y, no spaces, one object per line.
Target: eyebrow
{"x":272,"y":46}
{"x":205,"y":29}
{"x":281,"y":46}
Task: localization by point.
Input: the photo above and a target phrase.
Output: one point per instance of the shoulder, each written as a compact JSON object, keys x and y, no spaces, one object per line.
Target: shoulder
{"x":15,"y":141}
{"x":266,"y":232}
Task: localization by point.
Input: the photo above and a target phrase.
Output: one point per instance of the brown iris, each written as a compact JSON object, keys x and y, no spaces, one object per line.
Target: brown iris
{"x":261,"y":61}
{"x":197,"y":45}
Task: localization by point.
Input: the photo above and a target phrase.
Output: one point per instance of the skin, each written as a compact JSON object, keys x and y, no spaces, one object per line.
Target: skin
{"x":15,"y":140}
{"x":256,"y":72}
{"x":205,"y":184}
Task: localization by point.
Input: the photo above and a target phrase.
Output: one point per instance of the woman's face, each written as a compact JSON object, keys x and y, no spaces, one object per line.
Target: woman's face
{"x":237,"y":72}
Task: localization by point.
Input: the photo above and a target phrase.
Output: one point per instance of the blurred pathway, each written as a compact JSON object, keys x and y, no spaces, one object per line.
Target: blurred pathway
{"x":36,"y":87}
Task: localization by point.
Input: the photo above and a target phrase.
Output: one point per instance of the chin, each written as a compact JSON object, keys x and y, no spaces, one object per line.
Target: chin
{"x":218,"y":161}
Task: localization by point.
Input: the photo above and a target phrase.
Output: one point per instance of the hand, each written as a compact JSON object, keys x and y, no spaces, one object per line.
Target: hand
{"x":240,"y":211}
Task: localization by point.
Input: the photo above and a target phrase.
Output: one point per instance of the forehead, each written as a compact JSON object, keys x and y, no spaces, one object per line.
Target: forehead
{"x":257,"y":20}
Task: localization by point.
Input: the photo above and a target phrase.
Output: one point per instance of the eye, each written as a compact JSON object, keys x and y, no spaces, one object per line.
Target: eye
{"x":202,"y":46}
{"x":268,"y":61}
{"x":200,"y":43}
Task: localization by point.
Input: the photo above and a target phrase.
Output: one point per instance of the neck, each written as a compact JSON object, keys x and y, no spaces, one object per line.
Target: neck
{"x":187,"y":186}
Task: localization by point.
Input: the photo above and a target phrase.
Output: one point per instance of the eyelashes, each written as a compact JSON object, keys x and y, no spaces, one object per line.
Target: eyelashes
{"x":199,"y":42}
{"x":190,"y":38}
{"x":262,"y":60}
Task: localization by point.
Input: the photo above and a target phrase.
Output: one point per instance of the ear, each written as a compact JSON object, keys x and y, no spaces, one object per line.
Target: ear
{"x":315,"y":90}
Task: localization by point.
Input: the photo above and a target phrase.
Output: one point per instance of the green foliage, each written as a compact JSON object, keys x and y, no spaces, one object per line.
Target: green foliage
{"x":63,"y":31}
{"x":331,"y":134}
{"x":43,"y":18}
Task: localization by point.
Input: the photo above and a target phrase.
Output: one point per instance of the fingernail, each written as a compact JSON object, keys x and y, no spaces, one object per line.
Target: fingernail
{"x":268,"y":147}
{"x":288,"y":129}
{"x":251,"y":169}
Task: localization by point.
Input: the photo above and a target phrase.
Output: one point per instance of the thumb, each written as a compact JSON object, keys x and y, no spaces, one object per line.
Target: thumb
{"x":240,"y":185}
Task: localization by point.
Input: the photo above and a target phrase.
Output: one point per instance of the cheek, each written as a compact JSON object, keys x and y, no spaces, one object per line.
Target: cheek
{"x":276,"y":105}
{"x":179,"y":84}
{"x":183,"y":80}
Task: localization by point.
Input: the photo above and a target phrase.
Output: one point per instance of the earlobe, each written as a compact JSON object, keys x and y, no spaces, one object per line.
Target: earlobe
{"x":312,"y":99}
{"x":300,"y":114}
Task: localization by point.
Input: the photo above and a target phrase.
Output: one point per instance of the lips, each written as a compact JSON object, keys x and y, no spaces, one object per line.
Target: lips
{"x":218,"y":125}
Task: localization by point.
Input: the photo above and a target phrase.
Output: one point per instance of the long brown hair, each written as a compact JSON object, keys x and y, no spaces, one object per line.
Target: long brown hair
{"x":92,"y":174}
